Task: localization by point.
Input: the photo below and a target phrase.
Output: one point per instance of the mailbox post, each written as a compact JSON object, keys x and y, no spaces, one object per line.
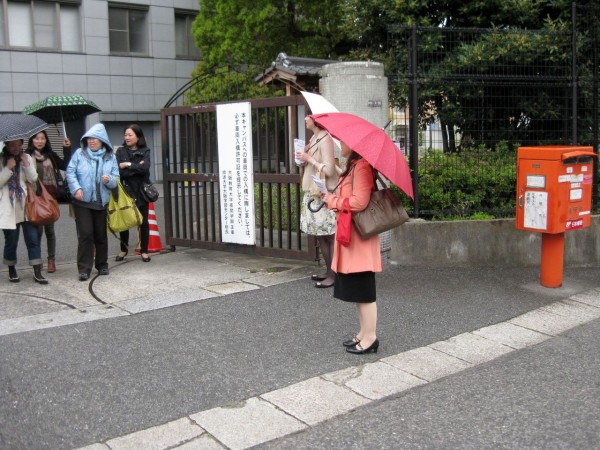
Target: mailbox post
{"x":554,"y":195}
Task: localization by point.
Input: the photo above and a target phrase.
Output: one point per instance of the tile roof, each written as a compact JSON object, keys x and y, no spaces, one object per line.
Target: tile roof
{"x":295,"y":66}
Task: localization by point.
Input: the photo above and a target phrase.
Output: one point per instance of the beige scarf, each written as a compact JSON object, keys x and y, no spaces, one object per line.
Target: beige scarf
{"x":45,"y":169}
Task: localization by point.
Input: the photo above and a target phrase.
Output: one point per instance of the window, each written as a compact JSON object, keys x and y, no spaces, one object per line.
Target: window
{"x":185,"y":45}
{"x":40,"y":25}
{"x":127,"y":29}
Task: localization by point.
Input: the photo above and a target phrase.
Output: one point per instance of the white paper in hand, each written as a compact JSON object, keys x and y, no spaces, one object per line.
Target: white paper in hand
{"x":320,"y":184}
{"x":298,"y":148}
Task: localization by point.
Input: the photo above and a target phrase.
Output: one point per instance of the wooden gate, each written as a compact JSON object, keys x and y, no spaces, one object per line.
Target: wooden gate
{"x":191,"y":178}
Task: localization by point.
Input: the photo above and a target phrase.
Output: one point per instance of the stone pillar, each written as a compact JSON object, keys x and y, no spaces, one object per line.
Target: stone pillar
{"x":360,"y":88}
{"x":357,"y":87}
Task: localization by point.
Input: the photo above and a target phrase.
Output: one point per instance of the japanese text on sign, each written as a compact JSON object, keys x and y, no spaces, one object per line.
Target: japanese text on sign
{"x":236,"y":178}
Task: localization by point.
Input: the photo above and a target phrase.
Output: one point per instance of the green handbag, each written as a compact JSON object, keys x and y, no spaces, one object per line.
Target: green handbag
{"x":122,"y":212}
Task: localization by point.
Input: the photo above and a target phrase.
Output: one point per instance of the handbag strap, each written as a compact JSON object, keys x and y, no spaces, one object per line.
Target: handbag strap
{"x":345,"y":205}
{"x":376,"y":177}
{"x":313,"y":153}
{"x":342,"y":179}
{"x":379,"y":178}
{"x":316,"y":142}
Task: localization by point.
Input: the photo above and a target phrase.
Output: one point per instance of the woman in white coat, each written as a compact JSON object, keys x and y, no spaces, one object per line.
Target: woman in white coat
{"x":18,"y":169}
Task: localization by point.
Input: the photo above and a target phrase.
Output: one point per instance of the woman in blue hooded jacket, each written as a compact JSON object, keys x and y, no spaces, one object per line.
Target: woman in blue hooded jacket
{"x":91,"y":174}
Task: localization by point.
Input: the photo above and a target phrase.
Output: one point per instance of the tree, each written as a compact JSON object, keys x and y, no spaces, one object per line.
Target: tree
{"x":240,"y":38}
{"x":451,"y":64}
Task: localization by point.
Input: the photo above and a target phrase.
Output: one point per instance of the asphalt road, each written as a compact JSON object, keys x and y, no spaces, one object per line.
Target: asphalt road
{"x":542,"y":397}
{"x":75,"y":385}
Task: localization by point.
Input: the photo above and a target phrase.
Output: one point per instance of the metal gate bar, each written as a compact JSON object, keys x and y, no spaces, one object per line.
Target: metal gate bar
{"x":191,"y":179}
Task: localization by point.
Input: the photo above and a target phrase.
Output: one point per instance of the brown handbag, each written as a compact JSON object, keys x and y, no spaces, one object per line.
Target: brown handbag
{"x":41,"y":209}
{"x":384,"y":212}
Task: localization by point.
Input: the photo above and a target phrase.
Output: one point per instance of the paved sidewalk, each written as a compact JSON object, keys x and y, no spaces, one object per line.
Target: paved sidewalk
{"x":171,"y":278}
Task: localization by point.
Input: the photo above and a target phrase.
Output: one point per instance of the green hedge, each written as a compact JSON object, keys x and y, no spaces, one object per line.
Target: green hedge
{"x":477,"y":183}
{"x":270,"y":209}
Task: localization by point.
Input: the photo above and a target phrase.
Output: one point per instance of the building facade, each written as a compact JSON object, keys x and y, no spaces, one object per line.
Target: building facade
{"x":128,"y":57}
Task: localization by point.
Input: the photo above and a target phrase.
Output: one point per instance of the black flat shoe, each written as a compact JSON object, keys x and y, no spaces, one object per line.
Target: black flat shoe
{"x":13,"y":276}
{"x":121,"y":256}
{"x":351,"y":342}
{"x":104,"y":271}
{"x":323,"y":285}
{"x":358,"y":350}
{"x":145,"y":258}
{"x":83,"y":276}
{"x":316,"y":277}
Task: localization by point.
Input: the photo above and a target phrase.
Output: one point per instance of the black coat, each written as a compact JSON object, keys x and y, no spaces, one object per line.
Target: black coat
{"x":134,"y":176}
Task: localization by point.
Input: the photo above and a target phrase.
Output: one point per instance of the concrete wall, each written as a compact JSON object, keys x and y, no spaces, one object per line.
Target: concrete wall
{"x":491,"y":243}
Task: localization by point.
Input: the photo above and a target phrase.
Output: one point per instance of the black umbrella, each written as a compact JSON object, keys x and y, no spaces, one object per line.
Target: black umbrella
{"x":18,"y":126}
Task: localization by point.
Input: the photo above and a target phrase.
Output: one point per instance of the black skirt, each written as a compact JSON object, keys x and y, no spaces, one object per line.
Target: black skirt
{"x":355,"y":287}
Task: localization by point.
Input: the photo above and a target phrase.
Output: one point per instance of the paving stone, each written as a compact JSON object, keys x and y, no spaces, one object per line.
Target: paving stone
{"x":204,"y":442}
{"x":427,"y":363}
{"x":231,"y":288}
{"x":246,"y":424}
{"x":545,"y":322}
{"x":471,"y":348}
{"x":315,"y":400}
{"x":16,"y":305}
{"x":376,"y":380}
{"x":165,"y":300}
{"x":575,"y":310}
{"x":159,"y":437}
{"x":177,"y":277}
{"x":512,"y":335}
{"x":272,"y":279}
{"x":60,"y":318}
{"x":591,"y":298}
{"x":95,"y":447}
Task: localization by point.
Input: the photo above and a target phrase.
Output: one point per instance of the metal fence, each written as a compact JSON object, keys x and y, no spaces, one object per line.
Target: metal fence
{"x":191,"y":180}
{"x":473,"y":96}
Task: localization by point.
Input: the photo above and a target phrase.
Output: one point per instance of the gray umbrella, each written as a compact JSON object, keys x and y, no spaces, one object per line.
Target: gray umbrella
{"x":19,"y":126}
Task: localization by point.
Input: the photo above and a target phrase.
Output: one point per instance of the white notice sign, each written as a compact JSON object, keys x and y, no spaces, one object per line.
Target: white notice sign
{"x":536,"y":210}
{"x":236,"y":176}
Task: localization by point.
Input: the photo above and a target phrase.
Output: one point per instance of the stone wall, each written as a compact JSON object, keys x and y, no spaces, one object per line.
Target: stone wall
{"x":491,"y":243}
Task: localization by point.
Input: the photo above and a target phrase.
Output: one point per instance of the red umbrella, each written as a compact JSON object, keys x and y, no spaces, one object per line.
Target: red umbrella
{"x":372,"y":143}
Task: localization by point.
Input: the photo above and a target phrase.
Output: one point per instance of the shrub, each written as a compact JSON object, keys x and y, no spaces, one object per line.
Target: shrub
{"x":478,"y":180}
{"x":270,"y":205}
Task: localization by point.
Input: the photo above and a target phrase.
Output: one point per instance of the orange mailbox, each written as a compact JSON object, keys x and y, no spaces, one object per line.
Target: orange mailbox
{"x":554,"y":195}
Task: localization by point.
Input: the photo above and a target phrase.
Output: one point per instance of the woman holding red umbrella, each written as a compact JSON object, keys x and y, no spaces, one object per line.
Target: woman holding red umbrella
{"x":355,"y":265}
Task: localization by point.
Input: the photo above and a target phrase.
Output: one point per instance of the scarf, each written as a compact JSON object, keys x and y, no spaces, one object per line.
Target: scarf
{"x":45,"y":168}
{"x":97,"y":157}
{"x":14,"y":185}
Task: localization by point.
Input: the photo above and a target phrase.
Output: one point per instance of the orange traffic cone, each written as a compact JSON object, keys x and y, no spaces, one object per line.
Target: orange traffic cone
{"x":154,"y":244}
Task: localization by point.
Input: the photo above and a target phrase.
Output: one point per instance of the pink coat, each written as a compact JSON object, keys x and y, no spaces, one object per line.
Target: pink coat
{"x":362,"y":255}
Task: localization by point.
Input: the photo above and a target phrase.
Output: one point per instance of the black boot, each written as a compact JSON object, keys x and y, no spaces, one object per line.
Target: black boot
{"x":37,"y":274}
{"x":13,"y":276}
